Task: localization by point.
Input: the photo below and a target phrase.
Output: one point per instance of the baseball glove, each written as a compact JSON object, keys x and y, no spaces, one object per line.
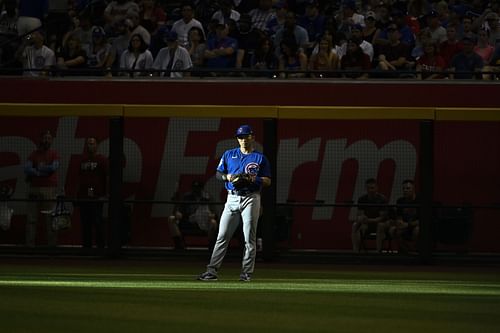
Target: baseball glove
{"x":241,"y":180}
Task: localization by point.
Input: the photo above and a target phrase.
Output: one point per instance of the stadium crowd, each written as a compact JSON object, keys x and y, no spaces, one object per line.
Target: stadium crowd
{"x":416,"y":39}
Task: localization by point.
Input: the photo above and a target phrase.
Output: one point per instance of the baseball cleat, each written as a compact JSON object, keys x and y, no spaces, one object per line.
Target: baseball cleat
{"x":245,"y":277}
{"x":207,"y":276}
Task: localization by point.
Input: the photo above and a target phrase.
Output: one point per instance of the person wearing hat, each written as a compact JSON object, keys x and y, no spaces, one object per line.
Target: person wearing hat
{"x":244,"y":171}
{"x":173,"y":58}
{"x":194,"y":215}
{"x":35,"y":56}
{"x":101,"y":55}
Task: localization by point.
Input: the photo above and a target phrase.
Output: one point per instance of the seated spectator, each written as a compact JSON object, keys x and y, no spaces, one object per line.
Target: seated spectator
{"x":37,"y":58}
{"x":8,"y":18}
{"x":263,"y":14}
{"x":221,"y":51}
{"x":313,"y":21}
{"x":423,"y":37}
{"x":183,"y":25}
{"x":277,"y":22}
{"x":264,"y":58}
{"x":137,"y":60}
{"x":465,"y":29}
{"x":292,"y":59}
{"x":431,"y":64}
{"x":356,"y":63}
{"x":248,"y":41}
{"x":291,"y":30}
{"x":357,"y":35}
{"x":196,"y":47}
{"x":152,"y":16}
{"x":118,"y":10}
{"x":349,"y":17}
{"x":72,"y":57}
{"x":407,"y":217}
{"x":491,"y":70}
{"x":174,"y":59}
{"x":436,"y":28}
{"x":370,"y":218}
{"x":450,"y":46}
{"x":466,"y":64}
{"x":134,"y":26}
{"x":121,"y":38}
{"x":370,"y":28}
{"x":83,"y":31}
{"x":483,"y":46}
{"x":194,"y":214}
{"x":102,"y":55}
{"x":324,"y":60}
{"x":393,"y":58}
{"x":226,"y":12}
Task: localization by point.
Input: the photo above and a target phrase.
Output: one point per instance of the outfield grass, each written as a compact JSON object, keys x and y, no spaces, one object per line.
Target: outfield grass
{"x":124,"y":296}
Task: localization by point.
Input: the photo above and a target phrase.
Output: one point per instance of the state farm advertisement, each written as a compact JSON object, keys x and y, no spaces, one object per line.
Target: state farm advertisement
{"x":318,"y":161}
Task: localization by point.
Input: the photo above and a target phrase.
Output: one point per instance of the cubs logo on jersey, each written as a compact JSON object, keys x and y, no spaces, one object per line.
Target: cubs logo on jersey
{"x":252,"y":168}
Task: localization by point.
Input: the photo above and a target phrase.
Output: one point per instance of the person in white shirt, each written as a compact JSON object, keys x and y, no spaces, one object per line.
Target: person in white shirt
{"x":226,"y":13}
{"x":136,"y":57}
{"x":35,"y":56}
{"x":172,"y":58}
{"x":182,"y":26}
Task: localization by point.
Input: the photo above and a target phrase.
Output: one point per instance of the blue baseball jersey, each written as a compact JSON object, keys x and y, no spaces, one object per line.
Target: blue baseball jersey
{"x":233,"y":161}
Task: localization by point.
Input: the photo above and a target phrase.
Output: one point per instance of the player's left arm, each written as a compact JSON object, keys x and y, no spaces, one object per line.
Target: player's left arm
{"x":263,"y":178}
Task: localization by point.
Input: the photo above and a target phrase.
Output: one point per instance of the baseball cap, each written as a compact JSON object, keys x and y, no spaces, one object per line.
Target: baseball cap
{"x":98,"y":31}
{"x":170,"y":36}
{"x":370,"y":14}
{"x":244,"y":130}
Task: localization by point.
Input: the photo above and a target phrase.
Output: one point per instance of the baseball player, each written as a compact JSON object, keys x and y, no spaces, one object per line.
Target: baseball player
{"x":245,"y":172}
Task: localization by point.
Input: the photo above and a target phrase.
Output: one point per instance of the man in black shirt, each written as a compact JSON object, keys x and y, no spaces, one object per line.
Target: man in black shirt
{"x":407,"y":215}
{"x":372,"y":216}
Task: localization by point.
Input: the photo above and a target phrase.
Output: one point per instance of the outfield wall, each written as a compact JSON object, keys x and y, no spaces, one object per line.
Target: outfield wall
{"x":323,"y":153}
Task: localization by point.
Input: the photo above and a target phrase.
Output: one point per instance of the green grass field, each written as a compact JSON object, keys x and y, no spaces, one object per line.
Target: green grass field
{"x":82,"y":295}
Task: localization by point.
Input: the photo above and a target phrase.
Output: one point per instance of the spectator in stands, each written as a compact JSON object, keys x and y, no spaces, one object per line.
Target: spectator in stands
{"x":83,"y":31}
{"x":41,"y":175}
{"x":291,"y":31}
{"x":451,"y":45}
{"x":121,"y":38}
{"x":182,"y":26}
{"x":407,"y":216}
{"x":423,"y":37}
{"x":277,"y":22}
{"x":370,"y":28}
{"x":195,"y":214}
{"x":431,"y":64}
{"x":436,"y":28}
{"x":92,"y":186}
{"x":72,"y":57}
{"x":493,"y":67}
{"x":483,"y":46}
{"x":263,"y":14}
{"x":226,"y":12}
{"x":152,"y":15}
{"x":31,"y":15}
{"x":293,"y":61}
{"x":324,"y":61}
{"x":357,"y":35}
{"x":313,"y":21}
{"x":118,"y":10}
{"x":137,"y":59}
{"x":174,"y":59}
{"x":8,"y":18}
{"x":248,"y":41}
{"x":371,"y":217}
{"x":491,"y":23}
{"x":355,"y":62}
{"x":221,"y":51}
{"x":264,"y":58}
{"x":466,"y":64}
{"x":133,"y":21}
{"x":197,"y":47}
{"x":102,"y":55}
{"x":36,"y":57}
{"x":349,"y":17}
{"x":394,"y":57}
{"x":465,"y":29}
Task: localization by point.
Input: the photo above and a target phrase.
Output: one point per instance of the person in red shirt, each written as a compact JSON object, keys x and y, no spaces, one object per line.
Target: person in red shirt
{"x":41,"y":175}
{"x":431,"y":64}
{"x":92,"y":188}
